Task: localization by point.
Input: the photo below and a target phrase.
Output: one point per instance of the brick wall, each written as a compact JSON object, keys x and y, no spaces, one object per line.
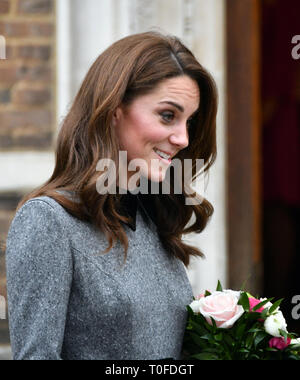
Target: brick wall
{"x":27,"y":76}
{"x":27,"y":94}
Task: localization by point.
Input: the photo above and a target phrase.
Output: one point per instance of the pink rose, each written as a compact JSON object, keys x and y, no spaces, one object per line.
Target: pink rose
{"x":253,"y":302}
{"x":199,"y":296}
{"x":279,"y":343}
{"x":222,"y":307}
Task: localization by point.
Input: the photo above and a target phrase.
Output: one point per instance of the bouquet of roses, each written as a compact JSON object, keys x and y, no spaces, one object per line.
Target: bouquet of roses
{"x":233,"y":325}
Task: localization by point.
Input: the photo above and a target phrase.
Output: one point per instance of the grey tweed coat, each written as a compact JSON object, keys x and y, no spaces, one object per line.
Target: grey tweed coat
{"x":67,"y":301}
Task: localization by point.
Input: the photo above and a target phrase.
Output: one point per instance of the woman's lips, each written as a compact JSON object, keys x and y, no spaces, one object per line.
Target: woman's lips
{"x":168,"y":161}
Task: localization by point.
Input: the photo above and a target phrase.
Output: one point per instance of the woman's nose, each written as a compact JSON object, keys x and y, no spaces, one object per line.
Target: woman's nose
{"x":180,"y":137}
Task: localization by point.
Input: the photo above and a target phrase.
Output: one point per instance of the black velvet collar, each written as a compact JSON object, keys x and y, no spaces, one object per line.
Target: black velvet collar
{"x":129,"y":208}
{"x":130,"y":203}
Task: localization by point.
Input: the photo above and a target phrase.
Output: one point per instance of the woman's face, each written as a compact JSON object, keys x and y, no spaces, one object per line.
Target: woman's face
{"x":156,"y":124}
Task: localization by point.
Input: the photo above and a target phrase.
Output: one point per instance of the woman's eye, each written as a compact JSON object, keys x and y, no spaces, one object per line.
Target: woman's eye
{"x":167,"y":116}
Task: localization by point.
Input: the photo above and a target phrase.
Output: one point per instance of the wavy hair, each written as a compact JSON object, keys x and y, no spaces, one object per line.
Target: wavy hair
{"x":131,"y":67}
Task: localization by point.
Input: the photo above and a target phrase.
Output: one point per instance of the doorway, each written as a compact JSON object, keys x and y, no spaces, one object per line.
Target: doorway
{"x":263,"y":150}
{"x":280,"y":99}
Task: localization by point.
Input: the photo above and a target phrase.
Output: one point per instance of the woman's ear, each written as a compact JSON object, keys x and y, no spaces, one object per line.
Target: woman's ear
{"x":117,"y":116}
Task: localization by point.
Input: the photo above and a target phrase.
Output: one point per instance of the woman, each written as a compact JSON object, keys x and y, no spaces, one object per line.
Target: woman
{"x":101,"y":276}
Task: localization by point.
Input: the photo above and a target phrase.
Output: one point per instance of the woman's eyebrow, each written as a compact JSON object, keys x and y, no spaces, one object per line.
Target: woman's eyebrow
{"x":176,"y":105}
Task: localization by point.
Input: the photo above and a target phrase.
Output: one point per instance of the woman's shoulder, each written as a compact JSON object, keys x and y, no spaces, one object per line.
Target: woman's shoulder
{"x":42,"y":199}
{"x":39,"y":215}
{"x":36,"y":230}
{"x":41,"y":207}
{"x":45,"y":217}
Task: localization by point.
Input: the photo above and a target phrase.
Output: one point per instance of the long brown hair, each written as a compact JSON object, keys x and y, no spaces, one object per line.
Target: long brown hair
{"x":130,"y":67}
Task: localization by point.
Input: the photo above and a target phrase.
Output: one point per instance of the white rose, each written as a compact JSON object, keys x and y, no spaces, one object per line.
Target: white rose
{"x":295,"y":341}
{"x":274,"y":323}
{"x":195,"y":306}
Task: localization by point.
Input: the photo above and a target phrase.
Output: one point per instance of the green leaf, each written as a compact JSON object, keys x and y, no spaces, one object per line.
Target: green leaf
{"x":197,"y":327}
{"x":264,"y":313}
{"x":255,"y":357}
{"x":219,"y":287}
{"x":199,"y":318}
{"x":240,"y":330}
{"x":244,"y":350}
{"x":253,"y":315}
{"x":213,"y":324}
{"x":254,"y":330}
{"x":249,"y":341}
{"x":293,"y":357}
{"x":283,"y":334}
{"x":229,"y":340}
{"x":206,"y":336}
{"x":219,"y":337}
{"x":260,"y":336}
{"x":244,"y":301}
{"x":275,"y":305}
{"x":205,"y":356}
{"x":190,"y":311}
{"x":198,"y":341}
{"x":294,"y":346}
{"x":271,"y":349}
{"x":207,"y":293}
{"x":261,"y":304}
